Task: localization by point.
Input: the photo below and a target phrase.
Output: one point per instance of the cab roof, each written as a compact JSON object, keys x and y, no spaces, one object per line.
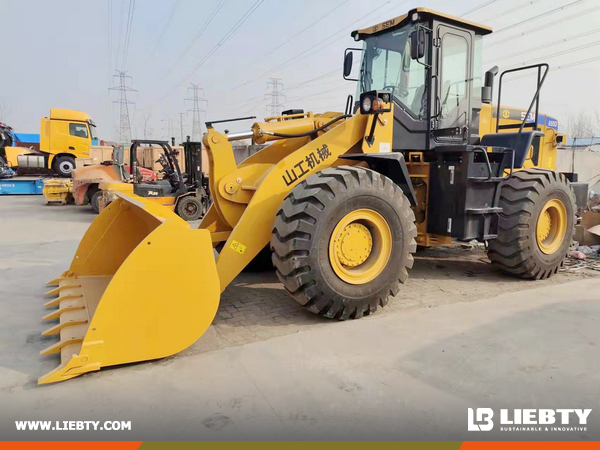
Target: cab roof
{"x":68,"y":114}
{"x":405,"y":18}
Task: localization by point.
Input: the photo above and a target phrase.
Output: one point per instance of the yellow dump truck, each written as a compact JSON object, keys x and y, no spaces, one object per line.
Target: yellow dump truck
{"x":64,"y":136}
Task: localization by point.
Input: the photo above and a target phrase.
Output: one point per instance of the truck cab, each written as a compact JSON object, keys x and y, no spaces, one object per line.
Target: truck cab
{"x":64,"y":136}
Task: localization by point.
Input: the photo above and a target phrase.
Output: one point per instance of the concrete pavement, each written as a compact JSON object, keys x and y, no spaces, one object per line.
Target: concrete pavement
{"x":409,"y":375}
{"x":404,"y":373}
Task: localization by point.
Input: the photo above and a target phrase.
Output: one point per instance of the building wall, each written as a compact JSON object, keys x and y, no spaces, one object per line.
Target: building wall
{"x":586,"y":162}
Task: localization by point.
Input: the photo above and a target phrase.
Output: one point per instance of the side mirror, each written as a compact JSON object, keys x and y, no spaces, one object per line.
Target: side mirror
{"x":417,"y":44}
{"x":347,"y":64}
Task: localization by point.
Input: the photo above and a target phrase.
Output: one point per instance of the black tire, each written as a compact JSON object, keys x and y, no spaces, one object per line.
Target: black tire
{"x":302,"y":232}
{"x":190,"y":208}
{"x":522,"y":198}
{"x":94,"y":193}
{"x":64,"y":166}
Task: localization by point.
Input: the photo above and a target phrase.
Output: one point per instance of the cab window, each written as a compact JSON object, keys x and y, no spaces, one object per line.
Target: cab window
{"x":454,"y":72}
{"x":387,"y":64}
{"x":78,"y":130}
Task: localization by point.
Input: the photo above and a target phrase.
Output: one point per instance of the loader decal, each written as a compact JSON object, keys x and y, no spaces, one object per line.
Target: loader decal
{"x":313,"y":159}
{"x":238,"y":247}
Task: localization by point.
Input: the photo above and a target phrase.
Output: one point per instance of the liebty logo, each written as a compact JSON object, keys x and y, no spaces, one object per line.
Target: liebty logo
{"x":480,"y":419}
{"x":483,"y":415}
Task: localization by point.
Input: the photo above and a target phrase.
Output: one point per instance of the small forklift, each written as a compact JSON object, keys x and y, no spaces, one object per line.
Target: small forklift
{"x":185,"y":193}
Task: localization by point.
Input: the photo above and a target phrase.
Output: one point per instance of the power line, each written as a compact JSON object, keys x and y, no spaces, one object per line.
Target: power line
{"x":244,"y":103}
{"x":199,"y":33}
{"x":319,"y":93}
{"x":301,"y":84}
{"x":219,"y":44}
{"x":547,"y":45}
{"x":304,"y":54}
{"x":554,"y":55}
{"x":546,"y":26}
{"x":124,"y":122}
{"x":121,"y":16}
{"x":128,"y":33}
{"x":319,"y":77}
{"x":225,"y":38}
{"x":564,"y":66}
{"x":510,"y":11}
{"x":300,"y":55}
{"x":539,"y":16}
{"x":164,"y":30}
{"x":299,"y":33}
{"x":276,"y":96}
{"x":477,"y":8}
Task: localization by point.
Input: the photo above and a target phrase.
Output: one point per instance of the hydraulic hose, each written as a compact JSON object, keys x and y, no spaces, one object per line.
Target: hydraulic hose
{"x":309,"y":133}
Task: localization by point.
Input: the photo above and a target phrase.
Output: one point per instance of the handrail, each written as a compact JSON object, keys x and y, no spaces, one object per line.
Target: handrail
{"x":536,"y":97}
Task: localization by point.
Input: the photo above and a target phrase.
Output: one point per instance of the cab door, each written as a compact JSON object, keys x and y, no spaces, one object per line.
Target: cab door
{"x":79,"y":139}
{"x":453,"y":86}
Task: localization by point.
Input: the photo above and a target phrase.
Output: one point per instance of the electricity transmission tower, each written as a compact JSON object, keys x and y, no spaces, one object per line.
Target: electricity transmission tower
{"x":276,"y":96}
{"x":196,"y":98}
{"x":124,"y":122}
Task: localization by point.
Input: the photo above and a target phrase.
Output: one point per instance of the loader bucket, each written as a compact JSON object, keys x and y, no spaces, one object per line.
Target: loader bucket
{"x":142,"y":285}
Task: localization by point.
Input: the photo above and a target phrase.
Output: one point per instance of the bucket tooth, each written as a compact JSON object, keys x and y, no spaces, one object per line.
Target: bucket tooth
{"x":69,"y":318}
{"x":56,"y":348}
{"x":62,"y":286}
{"x":65,"y":295}
{"x":73,"y":364}
{"x":55,"y":281}
{"x":71,"y":304}
{"x":68,"y":335}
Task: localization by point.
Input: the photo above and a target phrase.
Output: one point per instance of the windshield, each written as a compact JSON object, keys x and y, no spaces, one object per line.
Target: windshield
{"x":93,"y":131}
{"x":386,"y":64}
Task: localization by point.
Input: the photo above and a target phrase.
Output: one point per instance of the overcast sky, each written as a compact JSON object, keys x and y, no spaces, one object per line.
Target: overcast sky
{"x":62,"y":54}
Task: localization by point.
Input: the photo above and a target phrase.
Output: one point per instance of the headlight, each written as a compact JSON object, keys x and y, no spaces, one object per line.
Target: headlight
{"x":366,"y":104}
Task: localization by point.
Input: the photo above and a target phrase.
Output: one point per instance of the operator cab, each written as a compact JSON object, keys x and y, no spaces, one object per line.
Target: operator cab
{"x":431,"y":64}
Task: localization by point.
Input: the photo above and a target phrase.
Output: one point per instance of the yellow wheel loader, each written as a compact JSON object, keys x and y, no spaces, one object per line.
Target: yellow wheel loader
{"x":341,"y":200}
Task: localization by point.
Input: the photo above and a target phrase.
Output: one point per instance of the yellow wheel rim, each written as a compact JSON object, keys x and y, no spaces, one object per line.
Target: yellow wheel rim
{"x":551,"y":226}
{"x":360,"y":246}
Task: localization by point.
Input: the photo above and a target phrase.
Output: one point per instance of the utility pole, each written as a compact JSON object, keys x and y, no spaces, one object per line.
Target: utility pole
{"x":181,"y":124}
{"x":124,"y":122}
{"x":276,"y":96}
{"x":169,"y":126}
{"x":196,"y":98}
